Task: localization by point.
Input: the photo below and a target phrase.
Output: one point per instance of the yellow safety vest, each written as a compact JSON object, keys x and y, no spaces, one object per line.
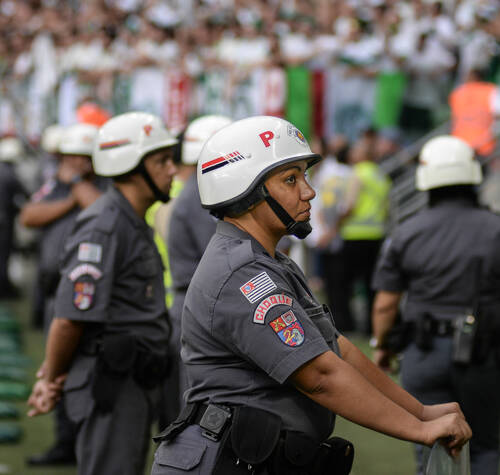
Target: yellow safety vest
{"x":161,"y":245}
{"x":367,"y":219}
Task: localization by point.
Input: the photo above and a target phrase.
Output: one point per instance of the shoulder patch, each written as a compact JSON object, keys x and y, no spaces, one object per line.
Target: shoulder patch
{"x":83,"y":293}
{"x":288,"y":329}
{"x":259,"y":316}
{"x":85,"y":269}
{"x":89,"y":252}
{"x":257,"y":287}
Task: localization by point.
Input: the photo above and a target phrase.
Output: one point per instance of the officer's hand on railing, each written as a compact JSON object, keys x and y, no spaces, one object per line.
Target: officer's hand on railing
{"x":451,"y":429}
{"x":44,"y":397}
{"x":434,"y":411}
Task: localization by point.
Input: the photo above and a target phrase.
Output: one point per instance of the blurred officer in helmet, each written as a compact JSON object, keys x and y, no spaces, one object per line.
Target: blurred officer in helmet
{"x":53,"y":209}
{"x":110,"y":329}
{"x":267,"y":369}
{"x":189,"y":232}
{"x":447,"y":259}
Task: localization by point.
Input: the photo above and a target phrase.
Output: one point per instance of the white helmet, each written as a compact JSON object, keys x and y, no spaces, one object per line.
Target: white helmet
{"x":197,"y":133}
{"x":51,"y":138}
{"x":447,"y":161}
{"x":238,"y":157}
{"x":11,"y":149}
{"x":78,"y":139}
{"x":124,"y":140}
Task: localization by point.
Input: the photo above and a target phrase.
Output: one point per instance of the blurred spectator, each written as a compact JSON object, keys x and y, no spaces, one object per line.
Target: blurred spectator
{"x":475,"y":106}
{"x":333,"y":180}
{"x":362,"y":230}
{"x":428,"y":69}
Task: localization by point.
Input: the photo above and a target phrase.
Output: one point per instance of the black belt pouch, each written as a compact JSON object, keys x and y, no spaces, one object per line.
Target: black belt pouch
{"x":254,"y":435}
{"x":334,"y":456}
{"x":115,"y":362}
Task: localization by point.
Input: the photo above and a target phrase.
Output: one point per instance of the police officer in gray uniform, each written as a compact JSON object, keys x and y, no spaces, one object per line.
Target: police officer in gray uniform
{"x":110,"y":329}
{"x":447,"y":259}
{"x":189,"y":232}
{"x":266,"y":366}
{"x":55,"y":206}
{"x":53,"y":209}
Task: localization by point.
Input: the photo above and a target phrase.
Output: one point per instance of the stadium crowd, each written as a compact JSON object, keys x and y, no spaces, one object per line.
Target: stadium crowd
{"x":332,"y":67}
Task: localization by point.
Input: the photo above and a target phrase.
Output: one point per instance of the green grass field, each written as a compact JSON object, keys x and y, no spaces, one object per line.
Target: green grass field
{"x":375,"y":454}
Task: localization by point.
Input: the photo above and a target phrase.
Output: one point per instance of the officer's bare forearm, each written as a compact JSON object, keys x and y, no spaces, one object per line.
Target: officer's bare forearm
{"x":64,"y":336}
{"x":36,"y":215}
{"x":379,"y":379}
{"x":338,"y":386}
{"x":85,"y":193}
{"x":385,"y":310}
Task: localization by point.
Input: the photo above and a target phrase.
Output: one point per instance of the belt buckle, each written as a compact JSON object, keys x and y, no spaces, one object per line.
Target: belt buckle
{"x":214,"y":421}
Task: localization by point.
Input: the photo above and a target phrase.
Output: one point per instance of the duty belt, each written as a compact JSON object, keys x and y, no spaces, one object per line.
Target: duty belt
{"x":213,"y":420}
{"x":435,"y":327}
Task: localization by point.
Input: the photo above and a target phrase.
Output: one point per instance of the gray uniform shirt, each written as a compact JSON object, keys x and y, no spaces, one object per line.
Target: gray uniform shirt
{"x":249,"y":322}
{"x":430,"y":256}
{"x":55,"y":233}
{"x":190,"y":230}
{"x":111,"y":274}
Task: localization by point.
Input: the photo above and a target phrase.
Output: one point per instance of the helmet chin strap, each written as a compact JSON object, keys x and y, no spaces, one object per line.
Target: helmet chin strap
{"x":298,"y":229}
{"x":158,"y":194}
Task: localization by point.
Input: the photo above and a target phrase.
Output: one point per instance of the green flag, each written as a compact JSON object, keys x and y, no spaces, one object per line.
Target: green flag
{"x":299,"y":103}
{"x":389,"y":92}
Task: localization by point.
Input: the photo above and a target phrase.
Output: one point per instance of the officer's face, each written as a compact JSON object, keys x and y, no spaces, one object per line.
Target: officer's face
{"x":161,"y":168}
{"x":288,"y":185}
{"x":80,"y":164}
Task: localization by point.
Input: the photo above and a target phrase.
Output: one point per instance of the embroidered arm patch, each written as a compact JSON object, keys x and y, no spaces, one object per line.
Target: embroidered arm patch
{"x":259,"y":316}
{"x":288,"y":329}
{"x":257,"y":287}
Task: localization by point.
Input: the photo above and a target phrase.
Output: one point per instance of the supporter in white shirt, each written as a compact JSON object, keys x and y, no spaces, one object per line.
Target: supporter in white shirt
{"x":297,"y":45}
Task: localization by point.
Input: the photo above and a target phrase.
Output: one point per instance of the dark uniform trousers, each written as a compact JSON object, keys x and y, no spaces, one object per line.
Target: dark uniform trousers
{"x":433,"y":378}
{"x":115,"y":442}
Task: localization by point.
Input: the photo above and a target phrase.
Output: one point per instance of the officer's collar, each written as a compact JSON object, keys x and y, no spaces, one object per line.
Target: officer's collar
{"x":229,"y":229}
{"x":126,"y":207}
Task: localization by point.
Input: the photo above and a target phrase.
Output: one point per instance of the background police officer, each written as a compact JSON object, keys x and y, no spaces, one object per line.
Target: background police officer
{"x":110,"y":328}
{"x":54,"y":209}
{"x":262,"y":355}
{"x":447,"y":259}
{"x":189,"y":231}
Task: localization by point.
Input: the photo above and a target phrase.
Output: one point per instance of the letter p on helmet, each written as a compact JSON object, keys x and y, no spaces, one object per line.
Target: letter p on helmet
{"x":266,"y":137}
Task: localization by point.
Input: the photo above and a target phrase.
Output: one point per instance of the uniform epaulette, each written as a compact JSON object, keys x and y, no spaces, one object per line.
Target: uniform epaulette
{"x":241,"y":254}
{"x":104,"y":213}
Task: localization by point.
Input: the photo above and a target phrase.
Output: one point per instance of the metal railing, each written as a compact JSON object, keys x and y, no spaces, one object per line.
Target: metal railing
{"x":405,"y":199}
